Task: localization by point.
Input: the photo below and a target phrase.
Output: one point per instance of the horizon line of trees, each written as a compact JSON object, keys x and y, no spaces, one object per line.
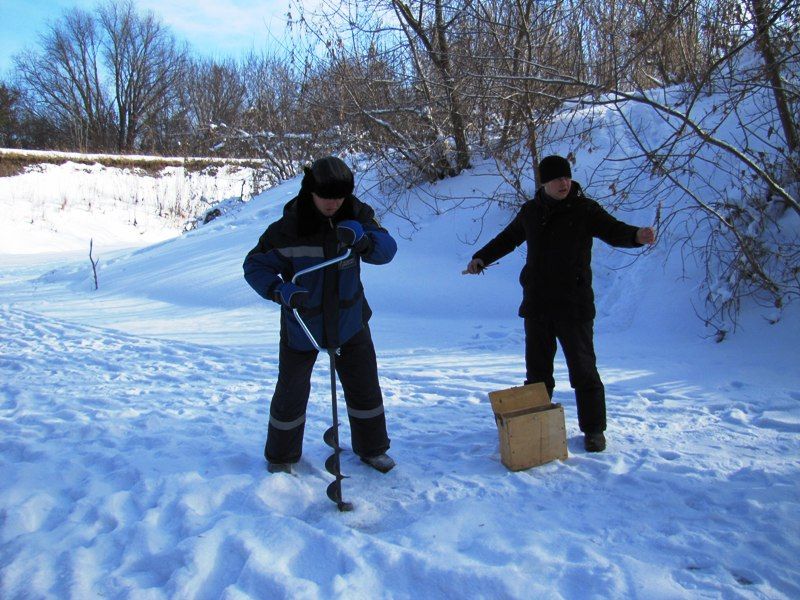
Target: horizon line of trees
{"x":421,"y":76}
{"x":426,"y":86}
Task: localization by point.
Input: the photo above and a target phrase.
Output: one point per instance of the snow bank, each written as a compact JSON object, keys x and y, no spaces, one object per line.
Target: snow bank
{"x":59,"y":208}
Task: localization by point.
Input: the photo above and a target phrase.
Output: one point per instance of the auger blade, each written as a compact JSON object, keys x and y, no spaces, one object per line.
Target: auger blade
{"x":334,"y":492}
{"x":329,"y":437}
{"x":332,"y":465}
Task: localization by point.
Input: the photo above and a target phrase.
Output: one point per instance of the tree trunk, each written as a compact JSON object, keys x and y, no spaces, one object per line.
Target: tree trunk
{"x":442,"y":60}
{"x":761,"y":13}
{"x":439,"y":52}
{"x":533,"y":140}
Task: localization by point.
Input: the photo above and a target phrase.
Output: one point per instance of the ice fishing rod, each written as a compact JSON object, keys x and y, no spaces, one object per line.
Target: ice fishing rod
{"x":331,"y":435}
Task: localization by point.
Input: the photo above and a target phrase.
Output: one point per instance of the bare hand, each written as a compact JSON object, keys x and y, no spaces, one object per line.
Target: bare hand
{"x":646,"y":235}
{"x":474,"y":267}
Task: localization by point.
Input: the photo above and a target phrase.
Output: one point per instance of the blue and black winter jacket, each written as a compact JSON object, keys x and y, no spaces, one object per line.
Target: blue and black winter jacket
{"x":336,"y":308}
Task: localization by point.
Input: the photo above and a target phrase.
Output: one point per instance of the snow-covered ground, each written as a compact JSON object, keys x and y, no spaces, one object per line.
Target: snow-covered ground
{"x":132,"y":422}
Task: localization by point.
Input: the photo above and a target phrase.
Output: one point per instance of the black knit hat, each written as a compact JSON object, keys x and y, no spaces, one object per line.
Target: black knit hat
{"x":553,"y":167}
{"x":329,"y":177}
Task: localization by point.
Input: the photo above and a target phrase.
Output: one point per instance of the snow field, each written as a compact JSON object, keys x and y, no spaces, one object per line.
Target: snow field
{"x":132,"y":469}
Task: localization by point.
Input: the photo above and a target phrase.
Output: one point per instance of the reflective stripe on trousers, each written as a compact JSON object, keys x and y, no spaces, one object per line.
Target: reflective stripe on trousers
{"x":365,"y":414}
{"x":287,"y":425}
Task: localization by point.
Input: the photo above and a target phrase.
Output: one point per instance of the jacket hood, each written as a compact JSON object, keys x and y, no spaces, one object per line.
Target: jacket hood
{"x":302,"y":218}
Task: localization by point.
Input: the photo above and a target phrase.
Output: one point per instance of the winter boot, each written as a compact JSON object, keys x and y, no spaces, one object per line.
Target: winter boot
{"x":382,"y":462}
{"x":594,"y":442}
{"x":275,"y":467}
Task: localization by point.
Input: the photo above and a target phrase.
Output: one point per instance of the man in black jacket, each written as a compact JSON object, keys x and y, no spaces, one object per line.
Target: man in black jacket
{"x":559,"y":225}
{"x":316,"y":226}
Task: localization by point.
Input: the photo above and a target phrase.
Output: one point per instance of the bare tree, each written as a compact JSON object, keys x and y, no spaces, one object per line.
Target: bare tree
{"x":94,"y":262}
{"x":729,"y":218}
{"x":516,"y":66}
{"x":431,"y":23}
{"x":9,"y":115}
{"x":146,"y":66}
{"x":104,"y":78}
{"x":216,"y":95}
{"x":513,"y":43}
{"x":387,"y":91}
{"x":65,"y":83}
{"x":763,"y":15}
{"x":277,"y":124}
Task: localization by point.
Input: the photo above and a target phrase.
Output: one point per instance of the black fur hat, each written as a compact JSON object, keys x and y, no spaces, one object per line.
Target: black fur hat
{"x":553,"y":167}
{"x":329,"y":177}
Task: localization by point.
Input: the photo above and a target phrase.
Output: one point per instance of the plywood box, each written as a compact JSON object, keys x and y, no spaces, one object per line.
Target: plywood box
{"x":531,"y":427}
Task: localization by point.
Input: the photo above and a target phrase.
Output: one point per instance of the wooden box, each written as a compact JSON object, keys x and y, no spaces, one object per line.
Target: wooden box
{"x":531,"y":428}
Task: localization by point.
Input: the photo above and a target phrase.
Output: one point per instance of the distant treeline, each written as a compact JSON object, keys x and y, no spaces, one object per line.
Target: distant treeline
{"x":13,"y":162}
{"x":427,"y":82}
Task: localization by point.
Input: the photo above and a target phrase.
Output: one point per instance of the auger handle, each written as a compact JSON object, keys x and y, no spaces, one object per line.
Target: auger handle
{"x":321,"y":265}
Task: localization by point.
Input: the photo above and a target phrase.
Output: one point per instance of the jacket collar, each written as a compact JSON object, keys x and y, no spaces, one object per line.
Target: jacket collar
{"x":547,"y":203}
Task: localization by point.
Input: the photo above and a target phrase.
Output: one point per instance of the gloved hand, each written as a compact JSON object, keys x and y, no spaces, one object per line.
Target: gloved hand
{"x":291,"y":295}
{"x":351,"y":234}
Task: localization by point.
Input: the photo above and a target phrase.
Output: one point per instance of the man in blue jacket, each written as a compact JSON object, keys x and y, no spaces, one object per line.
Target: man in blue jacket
{"x":317,"y":225}
{"x":558,"y":227}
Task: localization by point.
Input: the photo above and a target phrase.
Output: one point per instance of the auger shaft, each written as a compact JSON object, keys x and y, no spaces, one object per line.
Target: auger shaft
{"x":331,"y":436}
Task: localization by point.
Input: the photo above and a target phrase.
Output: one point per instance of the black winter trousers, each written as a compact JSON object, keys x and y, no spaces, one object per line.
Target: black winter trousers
{"x":357,"y":369}
{"x":577,"y":343}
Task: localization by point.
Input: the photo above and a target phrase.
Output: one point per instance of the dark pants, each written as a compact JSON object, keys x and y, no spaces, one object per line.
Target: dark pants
{"x":577,"y":343}
{"x":358,"y":373}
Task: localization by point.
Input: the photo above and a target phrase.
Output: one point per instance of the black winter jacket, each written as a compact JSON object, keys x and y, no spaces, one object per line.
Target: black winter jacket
{"x":303,"y":237}
{"x":557,"y":277}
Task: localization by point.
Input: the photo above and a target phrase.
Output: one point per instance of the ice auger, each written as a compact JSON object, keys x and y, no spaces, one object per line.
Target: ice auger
{"x":331,"y":435}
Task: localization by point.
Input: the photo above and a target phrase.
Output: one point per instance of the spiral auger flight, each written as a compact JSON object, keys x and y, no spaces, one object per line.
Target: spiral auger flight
{"x":331,"y":437}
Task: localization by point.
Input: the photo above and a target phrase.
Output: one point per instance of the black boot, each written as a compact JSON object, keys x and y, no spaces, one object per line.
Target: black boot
{"x":594,"y":442}
{"x":382,"y":462}
{"x":274,"y":467}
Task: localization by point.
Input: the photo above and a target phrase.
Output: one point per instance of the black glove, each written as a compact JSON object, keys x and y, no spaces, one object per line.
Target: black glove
{"x":291,"y":295}
{"x":351,"y":234}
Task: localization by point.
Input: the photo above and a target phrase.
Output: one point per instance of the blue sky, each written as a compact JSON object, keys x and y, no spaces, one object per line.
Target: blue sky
{"x":213,"y":27}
